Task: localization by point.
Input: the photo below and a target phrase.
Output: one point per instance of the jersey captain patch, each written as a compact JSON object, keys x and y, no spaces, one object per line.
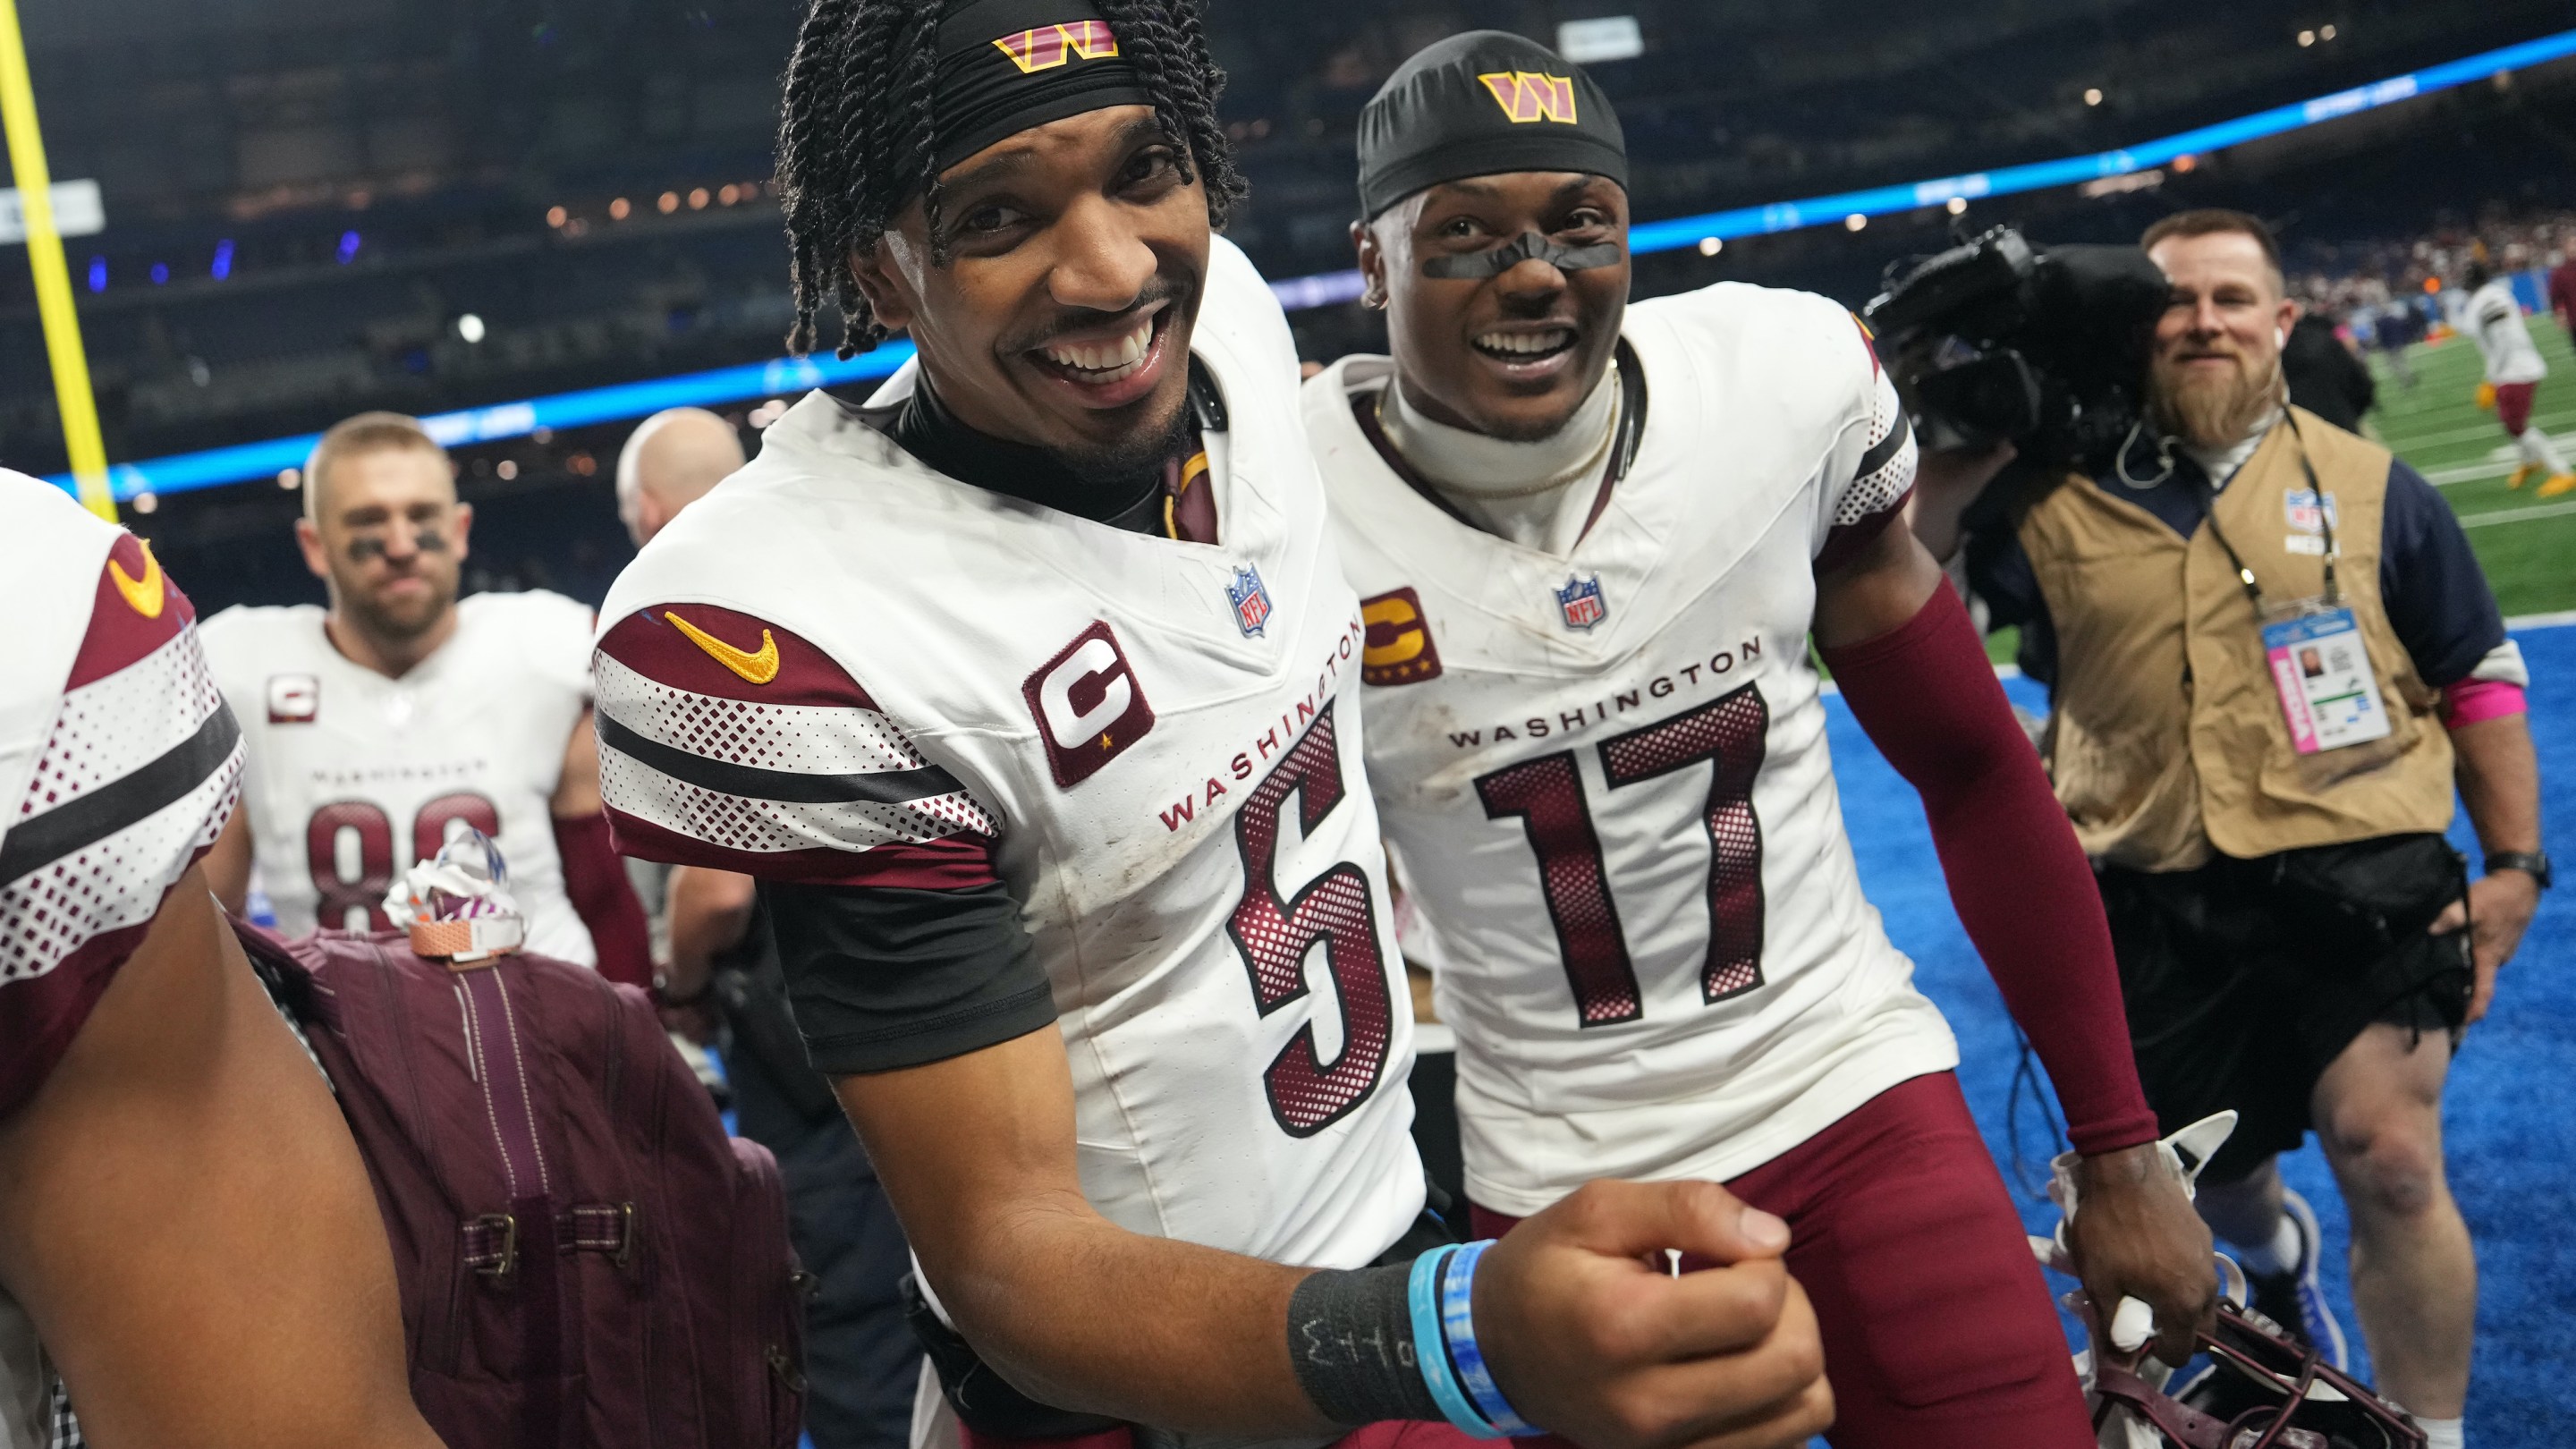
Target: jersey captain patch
{"x":1399,"y":649}
{"x":1089,"y":706}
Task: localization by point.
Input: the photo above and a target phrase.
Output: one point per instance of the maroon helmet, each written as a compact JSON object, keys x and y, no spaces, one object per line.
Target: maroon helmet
{"x":2263,"y":1390}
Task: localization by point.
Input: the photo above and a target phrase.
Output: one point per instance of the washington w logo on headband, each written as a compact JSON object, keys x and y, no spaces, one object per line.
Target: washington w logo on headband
{"x":1528,"y":95}
{"x":1050,"y":46}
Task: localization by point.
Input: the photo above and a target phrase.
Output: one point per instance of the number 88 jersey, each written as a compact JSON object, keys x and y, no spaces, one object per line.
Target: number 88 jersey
{"x":1604,"y":776}
{"x":353,"y":776}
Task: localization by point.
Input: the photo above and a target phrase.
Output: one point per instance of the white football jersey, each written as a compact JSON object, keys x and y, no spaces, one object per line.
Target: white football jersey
{"x":1604,"y":777}
{"x":354,"y":776}
{"x":2494,"y":320}
{"x":117,"y":770}
{"x":841,"y":666}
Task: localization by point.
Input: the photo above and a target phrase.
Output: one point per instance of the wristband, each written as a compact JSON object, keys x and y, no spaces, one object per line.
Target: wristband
{"x":1350,"y":1336}
{"x":1431,"y":1349}
{"x":1458,"y":1323}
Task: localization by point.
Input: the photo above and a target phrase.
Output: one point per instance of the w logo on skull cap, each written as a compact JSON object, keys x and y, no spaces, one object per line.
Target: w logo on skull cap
{"x":1050,"y":46}
{"x":1528,"y":95}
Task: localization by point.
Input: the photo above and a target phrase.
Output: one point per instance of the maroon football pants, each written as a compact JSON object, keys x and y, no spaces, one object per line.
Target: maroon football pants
{"x":1938,"y":1329}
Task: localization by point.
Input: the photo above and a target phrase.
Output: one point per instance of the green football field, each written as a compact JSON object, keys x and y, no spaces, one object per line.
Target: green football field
{"x":2528,"y":545}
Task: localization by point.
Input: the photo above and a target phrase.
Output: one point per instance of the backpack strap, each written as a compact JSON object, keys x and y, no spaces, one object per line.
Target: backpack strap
{"x":510,"y":1112}
{"x":490,"y":1244}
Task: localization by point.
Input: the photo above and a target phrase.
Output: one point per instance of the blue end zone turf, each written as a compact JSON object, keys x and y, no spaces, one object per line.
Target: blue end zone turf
{"x":2510,"y":1113}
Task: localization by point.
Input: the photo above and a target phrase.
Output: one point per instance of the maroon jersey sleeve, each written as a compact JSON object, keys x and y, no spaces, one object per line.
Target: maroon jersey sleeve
{"x":729,"y":742}
{"x":136,"y":775}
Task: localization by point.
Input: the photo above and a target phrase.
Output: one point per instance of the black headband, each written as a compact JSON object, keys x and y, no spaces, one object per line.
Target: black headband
{"x":1008,"y":65}
{"x":1480,"y":104}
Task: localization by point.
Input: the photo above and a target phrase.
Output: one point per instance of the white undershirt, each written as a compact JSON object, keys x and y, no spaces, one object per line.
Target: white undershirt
{"x":2220,"y":464}
{"x":1537,"y":494}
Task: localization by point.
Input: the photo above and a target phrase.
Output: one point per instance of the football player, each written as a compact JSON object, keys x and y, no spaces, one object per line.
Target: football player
{"x":1592,"y":541}
{"x":185,"y":1225}
{"x":2493,"y":319}
{"x":401,"y":713}
{"x":1024,"y":692}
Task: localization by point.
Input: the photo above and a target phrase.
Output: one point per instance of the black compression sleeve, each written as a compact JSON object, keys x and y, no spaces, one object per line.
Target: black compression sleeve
{"x":1350,"y":1334}
{"x":884,"y":977}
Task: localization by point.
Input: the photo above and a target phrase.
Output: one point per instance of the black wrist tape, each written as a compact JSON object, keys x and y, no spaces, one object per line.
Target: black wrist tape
{"x":1350,"y":1333}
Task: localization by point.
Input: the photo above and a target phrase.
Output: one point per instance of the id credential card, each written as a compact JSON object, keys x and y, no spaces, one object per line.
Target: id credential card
{"x":2322,"y":672}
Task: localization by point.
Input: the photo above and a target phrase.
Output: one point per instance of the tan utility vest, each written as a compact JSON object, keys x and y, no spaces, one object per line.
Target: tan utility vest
{"x":2168,"y":738}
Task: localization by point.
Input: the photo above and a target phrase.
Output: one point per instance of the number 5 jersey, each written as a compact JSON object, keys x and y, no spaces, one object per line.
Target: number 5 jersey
{"x":843,"y":668}
{"x":353,"y":776}
{"x":1604,"y":778}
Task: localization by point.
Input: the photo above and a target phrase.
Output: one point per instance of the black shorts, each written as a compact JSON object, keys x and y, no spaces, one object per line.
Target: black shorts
{"x":2244,"y":979}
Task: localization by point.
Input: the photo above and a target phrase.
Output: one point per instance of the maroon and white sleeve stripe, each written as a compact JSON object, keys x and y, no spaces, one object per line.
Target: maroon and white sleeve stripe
{"x":1875,"y":494}
{"x":139,"y":770}
{"x":796,"y":777}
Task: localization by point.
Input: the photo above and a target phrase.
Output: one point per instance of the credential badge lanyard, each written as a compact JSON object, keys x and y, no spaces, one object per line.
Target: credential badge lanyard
{"x":2313,"y":646}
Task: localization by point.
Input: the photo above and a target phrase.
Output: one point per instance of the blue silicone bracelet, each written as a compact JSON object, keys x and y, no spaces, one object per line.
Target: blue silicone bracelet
{"x":1458,"y":1322}
{"x":1430,"y":1349}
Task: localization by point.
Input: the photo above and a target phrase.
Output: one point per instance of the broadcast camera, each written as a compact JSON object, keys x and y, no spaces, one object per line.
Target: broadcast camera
{"x":1996,"y":340}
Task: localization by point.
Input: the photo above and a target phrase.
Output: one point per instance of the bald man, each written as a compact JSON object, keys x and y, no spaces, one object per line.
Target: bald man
{"x":861,"y":1360}
{"x":400,"y":715}
{"x":669,"y":463}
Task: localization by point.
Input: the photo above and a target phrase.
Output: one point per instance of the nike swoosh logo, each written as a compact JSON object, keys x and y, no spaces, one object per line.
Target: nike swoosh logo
{"x":758,"y":668}
{"x":148,"y":593}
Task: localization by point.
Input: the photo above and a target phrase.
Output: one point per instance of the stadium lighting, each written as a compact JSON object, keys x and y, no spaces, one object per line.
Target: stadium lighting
{"x":223,"y":259}
{"x":290,"y":479}
{"x":2307,"y":38}
{"x":1957,"y":205}
{"x":698,"y":199}
{"x":1590,"y":42}
{"x":730,"y":194}
{"x":1855,"y":222}
{"x":470,"y":328}
{"x":669,"y":202}
{"x":98,"y":274}
{"x":557,"y":216}
{"x":2092,"y":95}
{"x":146,"y":502}
{"x":1710,"y":246}
{"x":507,"y":469}
{"x":618,"y":209}
{"x":160,"y":274}
{"x":623,"y":401}
{"x":349,"y":244}
{"x":2325,"y":32}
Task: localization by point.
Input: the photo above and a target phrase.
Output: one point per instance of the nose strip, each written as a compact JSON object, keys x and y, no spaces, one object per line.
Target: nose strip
{"x":1528,"y":246}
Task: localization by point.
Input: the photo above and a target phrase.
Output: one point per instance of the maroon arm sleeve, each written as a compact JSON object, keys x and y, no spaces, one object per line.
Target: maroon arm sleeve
{"x":605,"y":900}
{"x":1928,"y":698}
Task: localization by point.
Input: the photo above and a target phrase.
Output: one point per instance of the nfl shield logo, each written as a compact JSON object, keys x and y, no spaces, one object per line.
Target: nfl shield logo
{"x":1251,"y":601}
{"x":1581,"y":602}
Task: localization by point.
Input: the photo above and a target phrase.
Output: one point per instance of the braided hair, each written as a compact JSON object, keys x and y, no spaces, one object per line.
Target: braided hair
{"x":856,"y":137}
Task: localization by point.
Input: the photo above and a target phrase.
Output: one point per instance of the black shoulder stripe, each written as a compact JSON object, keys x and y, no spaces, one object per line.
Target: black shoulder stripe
{"x":751,"y":782}
{"x":40,"y":840}
{"x":1876,"y":458}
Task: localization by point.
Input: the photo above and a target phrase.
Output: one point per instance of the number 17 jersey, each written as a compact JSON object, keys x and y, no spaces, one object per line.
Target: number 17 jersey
{"x":1604,"y":778}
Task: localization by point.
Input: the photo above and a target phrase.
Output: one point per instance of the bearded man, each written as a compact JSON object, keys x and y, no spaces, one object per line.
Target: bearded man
{"x":2262,"y":699}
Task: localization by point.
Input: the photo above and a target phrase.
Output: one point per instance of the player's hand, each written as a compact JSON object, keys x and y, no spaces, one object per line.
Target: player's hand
{"x":2486,"y":397}
{"x":2135,"y":1235}
{"x":2501,"y":907}
{"x":1588,"y":1340}
{"x":1946,"y":481}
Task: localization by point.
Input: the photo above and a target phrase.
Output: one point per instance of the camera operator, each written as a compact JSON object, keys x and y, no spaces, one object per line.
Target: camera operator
{"x":2261,"y":704}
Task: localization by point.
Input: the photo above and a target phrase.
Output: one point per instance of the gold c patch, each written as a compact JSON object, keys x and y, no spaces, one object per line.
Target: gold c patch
{"x":1528,"y":95}
{"x":1398,"y":649}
